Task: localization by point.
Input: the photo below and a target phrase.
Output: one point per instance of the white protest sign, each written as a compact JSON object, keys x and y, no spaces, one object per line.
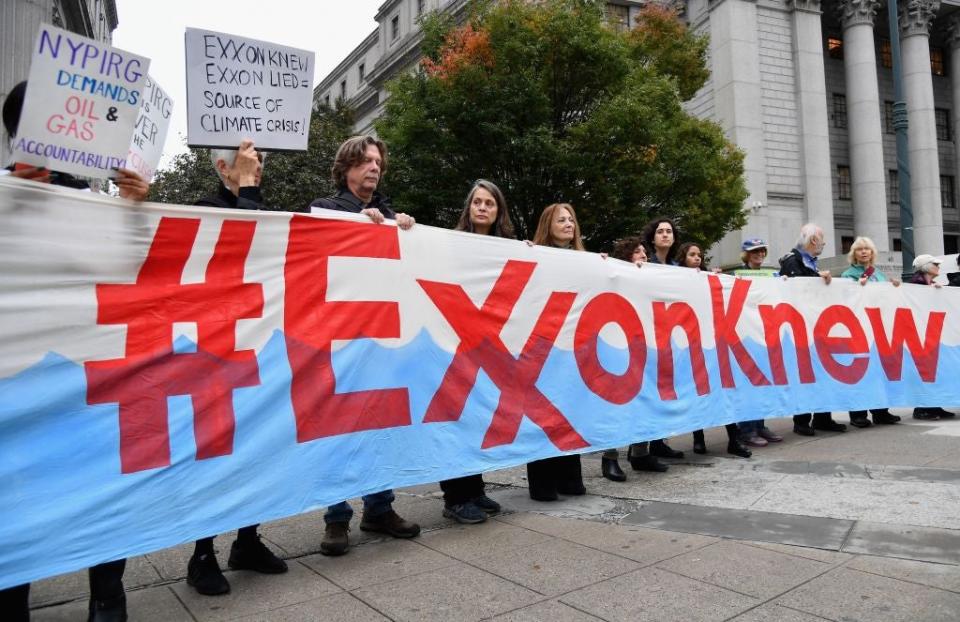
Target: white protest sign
{"x":243,"y":88}
{"x":81,"y":104}
{"x":150,"y":132}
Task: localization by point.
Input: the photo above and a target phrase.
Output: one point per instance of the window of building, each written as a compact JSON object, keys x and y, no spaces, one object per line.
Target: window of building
{"x":618,"y":16}
{"x":840,"y":110}
{"x":886,"y":54}
{"x":361,"y":72}
{"x":843,"y":183}
{"x":946,"y":191}
{"x":893,"y":186}
{"x":897,"y":245}
{"x":846,"y":241}
{"x":326,"y":100}
{"x":888,"y":117}
{"x":394,"y":27}
{"x":420,"y":6}
{"x":835,"y":47}
{"x":942,"y":116}
{"x":950,"y":243}
{"x":936,"y":61}
{"x":343,"y":89}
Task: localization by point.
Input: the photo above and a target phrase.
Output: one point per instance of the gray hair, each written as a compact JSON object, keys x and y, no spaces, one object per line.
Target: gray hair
{"x":807,"y":233}
{"x":862,"y":242}
{"x":229,"y":156}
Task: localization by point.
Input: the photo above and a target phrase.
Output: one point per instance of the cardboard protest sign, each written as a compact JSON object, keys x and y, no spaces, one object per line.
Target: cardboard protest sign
{"x":150,"y":132}
{"x":81,"y":104}
{"x":243,"y":88}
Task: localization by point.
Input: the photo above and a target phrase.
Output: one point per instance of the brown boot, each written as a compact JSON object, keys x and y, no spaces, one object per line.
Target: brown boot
{"x":390,"y":523}
{"x":336,"y":540}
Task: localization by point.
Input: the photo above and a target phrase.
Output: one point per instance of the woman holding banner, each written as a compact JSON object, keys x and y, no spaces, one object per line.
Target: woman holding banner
{"x":485,"y":213}
{"x":558,"y":227}
{"x":862,"y":255}
{"x":925,"y":269}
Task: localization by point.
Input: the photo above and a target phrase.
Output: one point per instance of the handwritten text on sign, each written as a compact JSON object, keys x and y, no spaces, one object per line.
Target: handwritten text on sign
{"x":242,"y":88}
{"x":150,"y":132}
{"x":82,"y":101}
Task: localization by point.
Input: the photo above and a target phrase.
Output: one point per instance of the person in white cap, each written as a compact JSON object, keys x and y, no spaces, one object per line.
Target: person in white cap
{"x":925,"y":269}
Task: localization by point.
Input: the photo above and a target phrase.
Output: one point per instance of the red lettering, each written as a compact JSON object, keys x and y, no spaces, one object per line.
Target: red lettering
{"x":150,"y":372}
{"x":725,"y":333}
{"x":775,"y":317}
{"x":925,"y":357}
{"x":481,"y":348}
{"x":311,"y":323}
{"x":827,"y":346}
{"x":602,"y":310}
{"x":665,"y":319}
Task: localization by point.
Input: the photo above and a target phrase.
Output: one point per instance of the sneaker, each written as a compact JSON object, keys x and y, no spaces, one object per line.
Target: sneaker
{"x":390,"y":523}
{"x":255,"y":556}
{"x":755,"y":441}
{"x":336,"y":540}
{"x":204,"y":575}
{"x":466,"y":513}
{"x":769,"y":435}
{"x":109,"y":610}
{"x":487,"y":504}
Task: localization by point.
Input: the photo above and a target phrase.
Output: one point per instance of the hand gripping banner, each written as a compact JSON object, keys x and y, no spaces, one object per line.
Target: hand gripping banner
{"x":169,"y":373}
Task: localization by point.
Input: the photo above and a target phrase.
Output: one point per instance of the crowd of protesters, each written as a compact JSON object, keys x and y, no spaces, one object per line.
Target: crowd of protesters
{"x":357,"y":172}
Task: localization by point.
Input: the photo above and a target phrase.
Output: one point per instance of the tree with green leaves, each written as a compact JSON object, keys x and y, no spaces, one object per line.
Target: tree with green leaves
{"x":552,"y":104}
{"x":291,"y":180}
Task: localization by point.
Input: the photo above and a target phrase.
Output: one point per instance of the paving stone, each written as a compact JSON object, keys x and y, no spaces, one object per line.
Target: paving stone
{"x":373,"y":563}
{"x":854,"y":596}
{"x":458,"y":592}
{"x":253,"y":593}
{"x":812,"y":531}
{"x":138,"y":573}
{"x":943,"y":576}
{"x":171,"y":563}
{"x":547,"y":610}
{"x":156,"y":604}
{"x":518,"y":500}
{"x":904,"y":541}
{"x":768,"y":612}
{"x":806,"y":552}
{"x":655,"y":595}
{"x":556,"y":566}
{"x":749,"y":570}
{"x":340,"y":607}
{"x":640,"y":544}
{"x":468,"y":542}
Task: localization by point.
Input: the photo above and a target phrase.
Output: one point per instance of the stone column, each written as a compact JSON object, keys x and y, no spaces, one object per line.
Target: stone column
{"x":812,"y":109}
{"x":953,"y":40}
{"x":916,"y":17}
{"x":735,"y":59}
{"x":863,"y":121}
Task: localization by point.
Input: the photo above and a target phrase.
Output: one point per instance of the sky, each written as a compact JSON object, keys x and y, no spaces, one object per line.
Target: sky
{"x":331,"y":28}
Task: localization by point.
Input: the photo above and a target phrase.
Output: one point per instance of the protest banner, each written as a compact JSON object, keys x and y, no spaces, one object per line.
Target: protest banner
{"x":81,"y":104}
{"x":150,"y":131}
{"x":272,"y":363}
{"x":243,"y":88}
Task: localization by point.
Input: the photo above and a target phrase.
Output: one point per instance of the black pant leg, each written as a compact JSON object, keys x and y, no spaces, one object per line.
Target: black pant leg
{"x":822,"y":418}
{"x":802,"y":420}
{"x":15,"y":603}
{"x":733,"y":432}
{"x":541,"y":477}
{"x":106,"y":580}
{"x":461,"y":489}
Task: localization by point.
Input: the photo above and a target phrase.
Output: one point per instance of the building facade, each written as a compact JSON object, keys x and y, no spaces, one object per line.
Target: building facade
{"x":19,"y":22}
{"x":804,"y":88}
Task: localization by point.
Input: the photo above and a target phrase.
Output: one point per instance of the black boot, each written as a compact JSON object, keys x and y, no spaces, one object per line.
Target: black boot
{"x":858,"y":419}
{"x":699,"y":445}
{"x":541,"y":481}
{"x":641,"y":460}
{"x":110,"y":610}
{"x":735,"y":448}
{"x":610,"y":468}
{"x":662,"y":450}
{"x":569,"y":476}
{"x":928,"y":414}
{"x":882,"y":416}
{"x":944,"y":414}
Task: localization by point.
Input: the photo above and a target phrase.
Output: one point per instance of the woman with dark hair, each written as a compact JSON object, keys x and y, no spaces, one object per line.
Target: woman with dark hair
{"x":558,"y":227}
{"x":630,"y":249}
{"x":661,"y":238}
{"x":484,"y":213}
{"x":690,"y":255}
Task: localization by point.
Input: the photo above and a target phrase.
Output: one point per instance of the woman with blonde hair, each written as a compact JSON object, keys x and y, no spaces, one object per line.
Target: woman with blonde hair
{"x":862,"y":257}
{"x":558,"y":227}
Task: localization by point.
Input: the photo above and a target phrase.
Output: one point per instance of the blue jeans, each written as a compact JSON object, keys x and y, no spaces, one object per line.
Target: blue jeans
{"x":373,"y":505}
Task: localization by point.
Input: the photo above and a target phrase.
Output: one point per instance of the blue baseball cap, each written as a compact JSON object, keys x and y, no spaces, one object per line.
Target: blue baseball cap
{"x":752,"y":244}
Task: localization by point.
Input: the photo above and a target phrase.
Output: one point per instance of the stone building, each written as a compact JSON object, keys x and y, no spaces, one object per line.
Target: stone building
{"x":19,"y":22}
{"x":804,"y":87}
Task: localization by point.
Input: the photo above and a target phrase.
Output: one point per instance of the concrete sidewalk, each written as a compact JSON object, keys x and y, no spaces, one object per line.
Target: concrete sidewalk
{"x":856,"y":526}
